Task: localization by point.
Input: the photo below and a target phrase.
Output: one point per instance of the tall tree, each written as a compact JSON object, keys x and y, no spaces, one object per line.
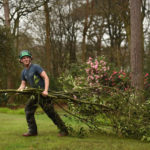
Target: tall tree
{"x":8,"y":62}
{"x":6,"y":13}
{"x":87,"y":22}
{"x":49,"y":58}
{"x":136,"y":46}
{"x":68,"y":29}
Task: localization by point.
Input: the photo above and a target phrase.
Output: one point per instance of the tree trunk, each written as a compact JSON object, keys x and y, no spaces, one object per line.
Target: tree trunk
{"x":84,"y":38}
{"x":72,"y":49}
{"x":99,"y":47}
{"x":136,"y":56}
{"x":88,"y":12}
{"x":119,"y":58}
{"x":7,"y":24}
{"x":6,"y":13}
{"x":49,"y":58}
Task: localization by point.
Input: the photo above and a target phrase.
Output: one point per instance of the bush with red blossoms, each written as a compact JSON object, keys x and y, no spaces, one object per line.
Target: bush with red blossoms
{"x":97,"y":73}
{"x":100,"y":73}
{"x":147,"y":86}
{"x":147,"y":80}
{"x":102,"y":91}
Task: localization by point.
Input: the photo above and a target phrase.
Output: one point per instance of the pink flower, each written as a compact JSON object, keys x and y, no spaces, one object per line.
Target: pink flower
{"x":104,"y":68}
{"x":87,"y":70}
{"x":96,"y":62}
{"x":104,"y":63}
{"x":146,"y":74}
{"x":91,"y":77}
{"x":74,"y":96}
{"x":97,"y":77}
{"x":92,"y":65}
{"x":123,"y":73}
{"x":90,"y":58}
{"x":114,"y":72}
{"x":101,"y":61}
{"x":96,"y":67}
{"x":126,"y":89}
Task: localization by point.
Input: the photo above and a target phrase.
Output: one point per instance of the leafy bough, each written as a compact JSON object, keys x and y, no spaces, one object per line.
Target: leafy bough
{"x":66,"y":97}
{"x":100,"y":106}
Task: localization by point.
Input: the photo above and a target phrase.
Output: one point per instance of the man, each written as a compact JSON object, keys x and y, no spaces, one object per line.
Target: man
{"x":36,"y":77}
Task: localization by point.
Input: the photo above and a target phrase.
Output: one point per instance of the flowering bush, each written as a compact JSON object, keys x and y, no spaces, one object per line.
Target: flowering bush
{"x":147,"y":86}
{"x":100,"y":73}
{"x":102,"y":91}
{"x":97,"y":71}
{"x":146,"y":80}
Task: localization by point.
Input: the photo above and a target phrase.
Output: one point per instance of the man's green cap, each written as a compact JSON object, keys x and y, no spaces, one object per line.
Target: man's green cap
{"x":25,"y":53}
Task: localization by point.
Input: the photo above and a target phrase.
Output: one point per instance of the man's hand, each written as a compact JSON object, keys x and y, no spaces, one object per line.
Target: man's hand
{"x":22,"y":86}
{"x":45,"y":93}
{"x":20,"y":89}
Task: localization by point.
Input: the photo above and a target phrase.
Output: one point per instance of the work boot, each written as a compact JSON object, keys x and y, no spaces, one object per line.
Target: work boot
{"x":29,"y":134}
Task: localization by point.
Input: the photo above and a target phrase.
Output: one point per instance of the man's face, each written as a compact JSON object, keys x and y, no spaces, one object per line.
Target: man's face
{"x":26,"y":60}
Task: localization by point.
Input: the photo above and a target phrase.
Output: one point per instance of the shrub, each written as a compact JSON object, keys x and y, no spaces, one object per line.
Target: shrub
{"x":104,"y":91}
{"x":101,"y":73}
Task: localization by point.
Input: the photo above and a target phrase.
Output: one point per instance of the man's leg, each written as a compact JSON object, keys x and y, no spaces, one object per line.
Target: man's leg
{"x":30,"y":109}
{"x":48,"y":108}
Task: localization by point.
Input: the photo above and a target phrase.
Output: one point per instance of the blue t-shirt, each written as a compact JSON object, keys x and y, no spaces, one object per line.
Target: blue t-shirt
{"x":32,"y":76}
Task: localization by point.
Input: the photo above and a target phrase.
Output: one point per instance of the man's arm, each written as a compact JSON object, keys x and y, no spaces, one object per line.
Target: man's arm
{"x":46,"y":80}
{"x":22,"y":85}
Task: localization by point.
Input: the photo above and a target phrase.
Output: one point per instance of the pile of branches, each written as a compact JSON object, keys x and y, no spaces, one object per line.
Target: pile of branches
{"x":56,"y":96}
{"x":101,"y":106}
{"x":79,"y":104}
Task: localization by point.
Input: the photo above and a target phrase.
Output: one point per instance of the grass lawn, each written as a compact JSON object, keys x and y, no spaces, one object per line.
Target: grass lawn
{"x":12,"y":125}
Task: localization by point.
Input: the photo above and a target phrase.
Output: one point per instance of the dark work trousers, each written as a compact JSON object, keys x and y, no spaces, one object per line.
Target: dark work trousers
{"x":48,"y":108}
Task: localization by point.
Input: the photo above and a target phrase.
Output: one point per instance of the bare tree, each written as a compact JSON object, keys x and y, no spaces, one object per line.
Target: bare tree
{"x":87,"y":22}
{"x":6,"y":13}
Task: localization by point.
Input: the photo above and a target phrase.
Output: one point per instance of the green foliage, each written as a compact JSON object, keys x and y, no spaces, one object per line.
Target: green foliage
{"x":36,"y":80}
{"x":55,"y":84}
{"x":106,"y":93}
{"x":74,"y":78}
{"x":3,"y":99}
{"x":8,"y":61}
{"x":133,"y":120}
{"x":147,"y":86}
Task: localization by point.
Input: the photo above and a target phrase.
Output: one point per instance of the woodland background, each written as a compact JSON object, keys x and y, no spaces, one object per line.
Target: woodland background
{"x":61,"y":33}
{"x":96,"y":52}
